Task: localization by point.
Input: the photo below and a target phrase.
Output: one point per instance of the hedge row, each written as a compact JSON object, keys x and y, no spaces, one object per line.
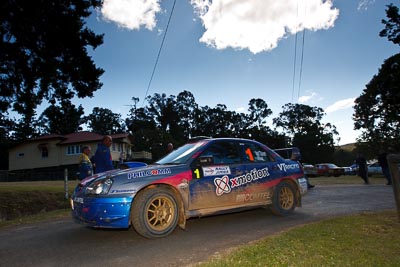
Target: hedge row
{"x":14,"y":205}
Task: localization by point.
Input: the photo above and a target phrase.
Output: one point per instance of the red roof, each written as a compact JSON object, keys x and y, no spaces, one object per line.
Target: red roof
{"x":119,"y":136}
{"x":48,"y":136}
{"x":79,"y":137}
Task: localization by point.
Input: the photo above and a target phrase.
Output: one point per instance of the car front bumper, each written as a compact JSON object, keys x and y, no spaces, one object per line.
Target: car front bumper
{"x":102,"y":212}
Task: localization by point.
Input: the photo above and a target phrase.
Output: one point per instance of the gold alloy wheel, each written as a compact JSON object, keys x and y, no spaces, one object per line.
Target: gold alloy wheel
{"x":160,"y":213}
{"x":286,"y":198}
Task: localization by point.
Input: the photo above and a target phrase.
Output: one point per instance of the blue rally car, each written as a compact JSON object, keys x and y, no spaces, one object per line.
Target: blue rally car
{"x":202,"y":177}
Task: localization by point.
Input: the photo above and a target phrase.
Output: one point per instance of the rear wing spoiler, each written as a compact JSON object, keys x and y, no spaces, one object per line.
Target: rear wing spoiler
{"x":292,"y":153}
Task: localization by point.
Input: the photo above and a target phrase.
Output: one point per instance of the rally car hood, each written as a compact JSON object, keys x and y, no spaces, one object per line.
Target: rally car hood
{"x":133,"y":179}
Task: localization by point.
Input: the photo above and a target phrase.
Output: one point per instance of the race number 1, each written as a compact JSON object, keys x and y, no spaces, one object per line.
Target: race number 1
{"x":197,"y":173}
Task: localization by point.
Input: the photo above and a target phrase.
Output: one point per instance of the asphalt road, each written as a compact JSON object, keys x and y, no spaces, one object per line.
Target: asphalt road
{"x":64,"y":243}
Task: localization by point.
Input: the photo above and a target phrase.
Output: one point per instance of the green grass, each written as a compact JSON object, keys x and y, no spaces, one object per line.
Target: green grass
{"x":24,"y":202}
{"x":48,"y":186}
{"x":359,"y":240}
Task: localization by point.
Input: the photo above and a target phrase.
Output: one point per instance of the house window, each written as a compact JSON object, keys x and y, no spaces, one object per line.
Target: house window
{"x":73,"y":149}
{"x":20,"y":155}
{"x":45,"y":152}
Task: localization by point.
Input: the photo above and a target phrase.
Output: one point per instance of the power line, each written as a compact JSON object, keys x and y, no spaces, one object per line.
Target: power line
{"x":295,"y":54}
{"x":294,"y":65}
{"x":301,"y":63}
{"x":159,"y":53}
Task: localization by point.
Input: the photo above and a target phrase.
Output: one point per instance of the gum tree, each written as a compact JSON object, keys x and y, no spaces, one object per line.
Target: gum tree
{"x":377,"y":109}
{"x":44,"y":55}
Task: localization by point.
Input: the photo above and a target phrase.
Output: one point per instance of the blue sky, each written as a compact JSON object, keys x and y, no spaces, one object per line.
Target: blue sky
{"x":230,"y":51}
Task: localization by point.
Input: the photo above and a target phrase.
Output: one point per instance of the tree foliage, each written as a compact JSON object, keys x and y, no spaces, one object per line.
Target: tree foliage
{"x":43,"y":55}
{"x":392,"y":25}
{"x":104,"y":121}
{"x":377,"y":109}
{"x":63,"y":119}
{"x":297,"y":118}
{"x":175,"y":119}
{"x":303,"y":123}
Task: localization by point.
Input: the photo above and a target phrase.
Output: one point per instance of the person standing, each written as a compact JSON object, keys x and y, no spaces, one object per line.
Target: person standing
{"x":385,"y":166}
{"x":362,"y":168}
{"x":85,"y":165}
{"x":102,"y":157}
{"x":170,"y":147}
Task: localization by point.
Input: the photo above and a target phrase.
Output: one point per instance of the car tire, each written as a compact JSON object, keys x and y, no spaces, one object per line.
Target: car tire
{"x":154,"y":212}
{"x":283,"y":199}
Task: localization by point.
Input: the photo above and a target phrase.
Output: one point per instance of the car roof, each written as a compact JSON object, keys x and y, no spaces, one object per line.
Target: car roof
{"x":202,"y":138}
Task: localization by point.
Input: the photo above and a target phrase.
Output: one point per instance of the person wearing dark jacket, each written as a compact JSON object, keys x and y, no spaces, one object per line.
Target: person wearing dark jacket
{"x":385,"y":166}
{"x":102,"y":157}
{"x":362,"y":168}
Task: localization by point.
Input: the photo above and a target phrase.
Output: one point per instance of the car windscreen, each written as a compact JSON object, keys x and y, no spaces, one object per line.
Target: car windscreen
{"x":332,"y":166}
{"x":181,"y":155}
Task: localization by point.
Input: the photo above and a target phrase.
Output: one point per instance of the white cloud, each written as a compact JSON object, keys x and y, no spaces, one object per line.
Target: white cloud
{"x":131,"y":14}
{"x":363,"y":4}
{"x":241,"y":110}
{"x":307,"y":98}
{"x":341,"y":104}
{"x":258,"y":25}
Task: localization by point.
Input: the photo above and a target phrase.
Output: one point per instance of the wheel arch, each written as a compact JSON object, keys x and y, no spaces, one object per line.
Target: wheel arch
{"x":177,"y":195}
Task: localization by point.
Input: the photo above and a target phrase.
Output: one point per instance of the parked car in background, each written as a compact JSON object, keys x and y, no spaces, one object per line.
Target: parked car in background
{"x":347,"y":171}
{"x":354,"y":169}
{"x":309,"y":170}
{"x":329,"y":169}
{"x":374,"y":168}
{"x":351,"y":170}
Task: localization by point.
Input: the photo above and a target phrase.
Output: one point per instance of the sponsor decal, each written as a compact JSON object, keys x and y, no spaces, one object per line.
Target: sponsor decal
{"x":146,"y":173}
{"x":78,"y":200}
{"x":224,"y":184}
{"x":249,"y":177}
{"x":303,"y":185}
{"x":260,"y":155}
{"x":119,"y":191}
{"x":252,"y":197}
{"x":285,"y":167}
{"x":217,"y":170}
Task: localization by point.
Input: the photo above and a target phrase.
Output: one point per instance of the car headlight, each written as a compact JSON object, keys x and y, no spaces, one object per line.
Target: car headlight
{"x":99,"y":187}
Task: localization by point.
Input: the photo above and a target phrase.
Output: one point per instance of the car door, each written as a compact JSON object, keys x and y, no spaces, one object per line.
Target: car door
{"x":261,"y":169}
{"x":212,"y":172}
